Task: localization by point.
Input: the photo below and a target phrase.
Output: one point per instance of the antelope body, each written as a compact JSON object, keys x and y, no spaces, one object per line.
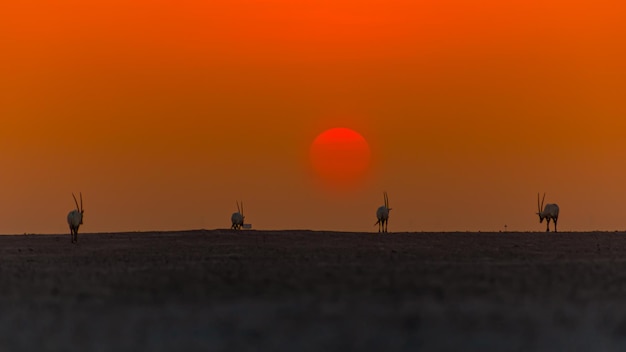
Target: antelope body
{"x":549,"y":212}
{"x":75,"y":219}
{"x":382,"y":214}
{"x":237,"y":218}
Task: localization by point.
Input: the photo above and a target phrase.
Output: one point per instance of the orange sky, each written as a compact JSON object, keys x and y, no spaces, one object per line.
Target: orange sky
{"x":163,"y":113}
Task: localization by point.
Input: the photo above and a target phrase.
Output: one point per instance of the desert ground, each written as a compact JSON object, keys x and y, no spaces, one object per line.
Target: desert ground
{"x":310,"y":291}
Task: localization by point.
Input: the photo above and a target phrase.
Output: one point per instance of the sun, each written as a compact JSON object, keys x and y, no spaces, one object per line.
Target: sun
{"x":340,"y":158}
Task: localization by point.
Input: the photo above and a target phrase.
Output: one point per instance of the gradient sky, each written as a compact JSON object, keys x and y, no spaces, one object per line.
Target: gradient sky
{"x":164,"y":113}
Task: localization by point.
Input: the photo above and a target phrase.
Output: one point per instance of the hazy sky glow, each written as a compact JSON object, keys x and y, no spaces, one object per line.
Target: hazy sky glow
{"x":164,"y":113}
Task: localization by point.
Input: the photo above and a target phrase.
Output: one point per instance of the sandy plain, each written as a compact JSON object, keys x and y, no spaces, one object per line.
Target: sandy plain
{"x":309,"y":291}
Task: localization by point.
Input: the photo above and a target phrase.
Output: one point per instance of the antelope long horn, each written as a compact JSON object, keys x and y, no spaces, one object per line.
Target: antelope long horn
{"x":238,"y":209}
{"x":75,"y":201}
{"x":242,"y":208}
{"x":542,"y":200}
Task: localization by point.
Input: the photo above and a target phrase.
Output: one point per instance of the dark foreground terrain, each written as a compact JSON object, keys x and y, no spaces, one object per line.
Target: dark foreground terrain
{"x":312,"y":291}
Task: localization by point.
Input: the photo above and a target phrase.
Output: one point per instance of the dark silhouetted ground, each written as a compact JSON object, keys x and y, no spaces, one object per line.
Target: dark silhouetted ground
{"x":312,"y":291}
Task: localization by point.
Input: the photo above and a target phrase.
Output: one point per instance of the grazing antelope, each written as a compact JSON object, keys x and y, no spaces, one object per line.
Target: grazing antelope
{"x":550,"y":212}
{"x":75,"y":219}
{"x":237,"y":218}
{"x":382,"y":214}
